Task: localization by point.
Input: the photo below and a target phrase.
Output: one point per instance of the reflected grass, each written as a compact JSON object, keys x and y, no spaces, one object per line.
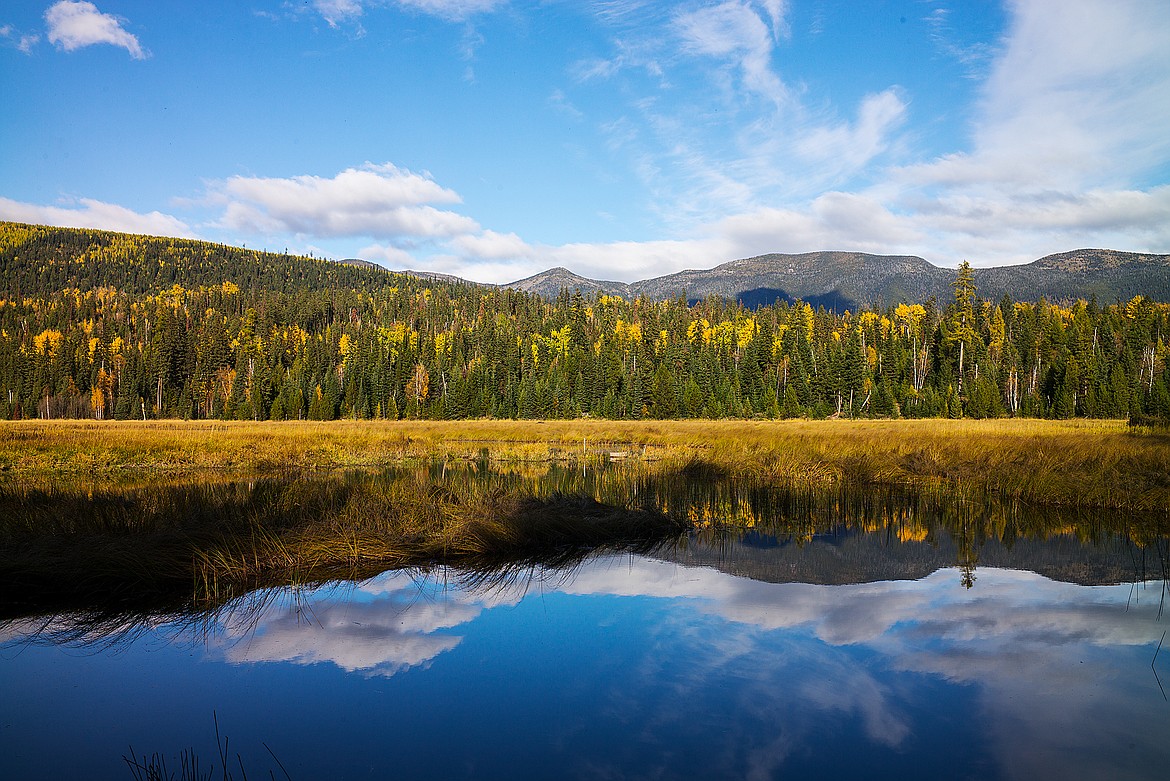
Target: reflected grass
{"x":172,"y":547}
{"x":191,"y":546}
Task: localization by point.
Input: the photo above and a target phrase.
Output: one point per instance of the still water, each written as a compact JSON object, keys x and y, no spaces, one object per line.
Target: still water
{"x":835,"y":651}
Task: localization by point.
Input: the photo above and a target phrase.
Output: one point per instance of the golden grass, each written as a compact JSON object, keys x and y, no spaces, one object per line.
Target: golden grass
{"x":1077,"y":463}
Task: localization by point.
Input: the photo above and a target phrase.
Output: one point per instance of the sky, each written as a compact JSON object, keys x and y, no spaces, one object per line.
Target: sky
{"x":493,"y":139}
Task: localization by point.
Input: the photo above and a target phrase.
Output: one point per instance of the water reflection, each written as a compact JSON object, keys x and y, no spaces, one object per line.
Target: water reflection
{"x":1052,"y":671}
{"x":1048,"y":659}
{"x":395,"y":622}
{"x":753,"y":635}
{"x":638,"y":667}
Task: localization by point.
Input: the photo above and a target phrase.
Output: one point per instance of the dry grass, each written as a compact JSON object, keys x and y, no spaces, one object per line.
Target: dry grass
{"x":1074,"y":463}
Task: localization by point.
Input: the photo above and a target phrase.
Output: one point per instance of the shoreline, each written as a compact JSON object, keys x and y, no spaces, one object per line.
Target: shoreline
{"x":1077,"y":463}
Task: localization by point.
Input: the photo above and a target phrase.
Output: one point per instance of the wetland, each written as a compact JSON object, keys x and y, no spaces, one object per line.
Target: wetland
{"x":650,"y":608}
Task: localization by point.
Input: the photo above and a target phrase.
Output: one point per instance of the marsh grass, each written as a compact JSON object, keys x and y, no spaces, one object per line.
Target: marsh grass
{"x":1068,"y":463}
{"x":154,"y":767}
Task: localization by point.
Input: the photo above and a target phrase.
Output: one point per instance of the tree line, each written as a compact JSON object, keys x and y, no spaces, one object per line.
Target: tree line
{"x":101,"y":325}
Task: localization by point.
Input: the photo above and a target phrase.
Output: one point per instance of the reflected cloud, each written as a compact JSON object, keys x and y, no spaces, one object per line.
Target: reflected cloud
{"x":369,"y":638}
{"x":1039,"y":670}
{"x":389,"y":624}
{"x":1045,"y":659}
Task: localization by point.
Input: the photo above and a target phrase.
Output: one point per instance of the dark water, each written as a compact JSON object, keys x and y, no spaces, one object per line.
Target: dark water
{"x":829,"y":637}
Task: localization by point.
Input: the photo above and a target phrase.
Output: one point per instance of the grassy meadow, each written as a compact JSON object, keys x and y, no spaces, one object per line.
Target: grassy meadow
{"x":1088,"y":463}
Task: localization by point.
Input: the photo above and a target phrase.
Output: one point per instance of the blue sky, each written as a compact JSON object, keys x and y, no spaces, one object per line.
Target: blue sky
{"x":495,"y":138}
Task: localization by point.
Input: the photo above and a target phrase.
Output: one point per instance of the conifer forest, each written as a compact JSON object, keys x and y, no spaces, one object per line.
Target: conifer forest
{"x":99,"y":325}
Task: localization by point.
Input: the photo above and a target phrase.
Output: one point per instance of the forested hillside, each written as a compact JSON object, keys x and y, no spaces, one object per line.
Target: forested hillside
{"x":98,"y":324}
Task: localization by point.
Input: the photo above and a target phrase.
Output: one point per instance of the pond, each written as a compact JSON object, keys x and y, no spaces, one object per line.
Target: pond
{"x":856,"y":635}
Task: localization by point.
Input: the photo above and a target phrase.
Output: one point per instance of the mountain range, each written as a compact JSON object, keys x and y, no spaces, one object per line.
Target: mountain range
{"x":847,"y":280}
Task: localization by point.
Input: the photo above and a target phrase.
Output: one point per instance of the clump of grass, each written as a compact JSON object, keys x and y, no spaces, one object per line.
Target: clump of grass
{"x":154,"y":767}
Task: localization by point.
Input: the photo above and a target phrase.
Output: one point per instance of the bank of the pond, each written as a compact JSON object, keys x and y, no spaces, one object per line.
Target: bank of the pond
{"x":1085,"y":463}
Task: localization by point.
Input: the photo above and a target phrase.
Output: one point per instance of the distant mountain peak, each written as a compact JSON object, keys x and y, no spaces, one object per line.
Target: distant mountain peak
{"x":840,"y":279}
{"x":551,"y":282}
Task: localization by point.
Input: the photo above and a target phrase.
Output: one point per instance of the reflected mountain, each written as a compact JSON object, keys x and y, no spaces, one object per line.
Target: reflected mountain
{"x":843,"y":556}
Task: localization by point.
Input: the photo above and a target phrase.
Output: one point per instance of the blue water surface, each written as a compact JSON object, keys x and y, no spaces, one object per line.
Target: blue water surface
{"x":626,"y":668}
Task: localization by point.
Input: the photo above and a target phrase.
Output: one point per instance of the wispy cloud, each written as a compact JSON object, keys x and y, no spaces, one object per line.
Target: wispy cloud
{"x":338,"y":12}
{"x":452,"y":10}
{"x":75,"y":25}
{"x":847,"y":147}
{"x":734,"y":31}
{"x":748,"y":141}
{"x":24,"y":42}
{"x":1068,"y":124}
{"x":974,"y":57}
{"x":563,"y":105}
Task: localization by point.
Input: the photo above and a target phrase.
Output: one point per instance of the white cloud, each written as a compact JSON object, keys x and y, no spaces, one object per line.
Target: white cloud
{"x":1079,"y":96}
{"x":627,"y":261}
{"x":95,"y":214}
{"x":493,"y":246}
{"x":835,"y":220}
{"x":380,"y":201}
{"x":75,"y":25}
{"x":389,"y":256}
